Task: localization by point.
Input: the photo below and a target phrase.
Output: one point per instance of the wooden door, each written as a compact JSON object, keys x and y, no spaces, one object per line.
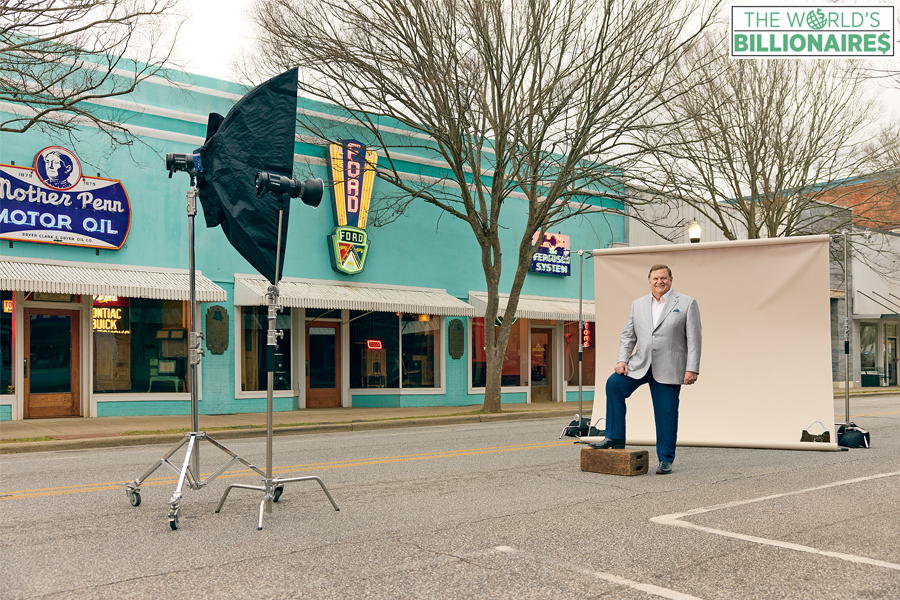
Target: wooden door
{"x":541,"y":365}
{"x":53,"y":363}
{"x":323,"y":365}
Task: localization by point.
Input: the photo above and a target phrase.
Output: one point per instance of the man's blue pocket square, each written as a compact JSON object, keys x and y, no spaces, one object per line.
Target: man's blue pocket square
{"x":676,"y":310}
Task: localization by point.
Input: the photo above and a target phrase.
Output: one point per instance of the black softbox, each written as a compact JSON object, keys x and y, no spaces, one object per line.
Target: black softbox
{"x":256,"y":135}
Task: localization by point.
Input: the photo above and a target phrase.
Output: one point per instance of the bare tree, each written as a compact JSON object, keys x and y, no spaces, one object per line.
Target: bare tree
{"x":532,"y":105}
{"x":762,"y":148}
{"x":62,"y":62}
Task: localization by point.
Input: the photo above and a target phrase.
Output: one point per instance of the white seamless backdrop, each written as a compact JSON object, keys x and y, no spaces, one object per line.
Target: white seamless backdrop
{"x":765,"y":370}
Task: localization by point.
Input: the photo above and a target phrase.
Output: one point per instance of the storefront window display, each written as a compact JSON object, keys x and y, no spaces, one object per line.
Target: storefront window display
{"x":419,"y":334}
{"x":6,"y":343}
{"x":254,"y":376}
{"x":140,"y":345}
{"x":393,"y":351}
{"x":572,"y":345}
{"x":512,"y":361}
{"x":867,"y":332}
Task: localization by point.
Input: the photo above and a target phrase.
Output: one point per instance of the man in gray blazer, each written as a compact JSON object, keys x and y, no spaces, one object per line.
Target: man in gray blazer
{"x":660,"y":346}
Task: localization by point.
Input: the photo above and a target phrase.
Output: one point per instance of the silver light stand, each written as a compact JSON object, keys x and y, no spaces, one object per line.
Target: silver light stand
{"x":272,"y":488}
{"x":190,"y":468}
{"x":845,"y":236}
{"x":580,"y":415}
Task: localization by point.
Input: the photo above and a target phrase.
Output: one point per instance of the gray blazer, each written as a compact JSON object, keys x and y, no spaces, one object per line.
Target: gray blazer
{"x":673,"y":347}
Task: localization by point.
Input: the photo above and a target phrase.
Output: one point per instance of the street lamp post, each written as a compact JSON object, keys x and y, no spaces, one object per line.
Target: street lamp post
{"x":844,"y":237}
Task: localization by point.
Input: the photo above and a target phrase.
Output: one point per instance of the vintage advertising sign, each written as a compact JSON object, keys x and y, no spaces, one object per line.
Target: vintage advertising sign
{"x":552,"y":256}
{"x":110,"y":314}
{"x":814,"y":30}
{"x":53,"y":203}
{"x":352,"y":175}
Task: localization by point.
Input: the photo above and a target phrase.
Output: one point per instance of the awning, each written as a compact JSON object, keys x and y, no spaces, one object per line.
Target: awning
{"x":250,"y":290}
{"x":539,"y":307}
{"x":61,"y":277}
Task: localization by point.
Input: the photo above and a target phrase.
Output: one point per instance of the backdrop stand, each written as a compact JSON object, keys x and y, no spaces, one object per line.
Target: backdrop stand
{"x":579,"y":418}
{"x":189,"y":472}
{"x":272,"y":488}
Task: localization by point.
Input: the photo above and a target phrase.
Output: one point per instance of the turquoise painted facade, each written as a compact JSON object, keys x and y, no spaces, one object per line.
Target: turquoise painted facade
{"x":422,"y":249}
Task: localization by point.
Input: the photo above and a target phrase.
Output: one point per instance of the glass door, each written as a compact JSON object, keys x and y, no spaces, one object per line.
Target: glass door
{"x":323,"y":365}
{"x":892,"y":361}
{"x":51,"y":369}
{"x":541,"y":365}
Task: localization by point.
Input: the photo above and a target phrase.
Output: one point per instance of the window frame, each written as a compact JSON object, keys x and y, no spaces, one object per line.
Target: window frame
{"x":440,"y":363}
{"x":296,"y":321}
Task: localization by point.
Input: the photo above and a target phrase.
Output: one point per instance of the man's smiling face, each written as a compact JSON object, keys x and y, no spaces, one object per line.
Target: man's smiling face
{"x":660,"y":282}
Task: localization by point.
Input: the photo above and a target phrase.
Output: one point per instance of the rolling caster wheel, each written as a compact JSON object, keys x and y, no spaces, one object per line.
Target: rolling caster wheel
{"x":174,"y":518}
{"x":134,"y":496}
{"x":277,"y":493}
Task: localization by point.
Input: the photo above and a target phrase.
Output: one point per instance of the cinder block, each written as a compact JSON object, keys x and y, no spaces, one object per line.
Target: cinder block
{"x":615,"y":462}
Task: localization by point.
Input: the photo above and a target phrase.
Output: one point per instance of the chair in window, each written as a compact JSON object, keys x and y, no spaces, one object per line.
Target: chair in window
{"x":169,"y":367}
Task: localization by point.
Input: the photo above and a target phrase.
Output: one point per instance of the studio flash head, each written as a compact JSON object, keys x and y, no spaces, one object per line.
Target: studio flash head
{"x":309,"y":191}
{"x":189,"y":163}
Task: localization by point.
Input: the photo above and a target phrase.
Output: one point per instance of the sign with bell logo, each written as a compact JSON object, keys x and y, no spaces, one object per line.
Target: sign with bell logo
{"x":352,"y":174}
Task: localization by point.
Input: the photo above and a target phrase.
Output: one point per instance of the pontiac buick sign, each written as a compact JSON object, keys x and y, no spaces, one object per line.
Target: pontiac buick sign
{"x":53,"y":203}
{"x":353,"y":174}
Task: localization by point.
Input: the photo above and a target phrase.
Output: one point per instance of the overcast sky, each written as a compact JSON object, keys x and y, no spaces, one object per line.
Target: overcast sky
{"x":211,"y":38}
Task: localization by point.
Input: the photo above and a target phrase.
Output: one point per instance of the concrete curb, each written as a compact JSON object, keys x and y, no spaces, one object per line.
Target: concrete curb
{"x":117,"y":441}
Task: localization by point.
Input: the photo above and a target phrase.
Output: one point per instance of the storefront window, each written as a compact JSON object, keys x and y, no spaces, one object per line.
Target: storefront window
{"x":867,"y":346}
{"x":140,"y":345}
{"x":6,"y":343}
{"x":572,"y":345}
{"x":254,"y":377}
{"x":374,"y":350}
{"x":512,"y":362}
{"x":419,"y":336}
{"x":393,"y":351}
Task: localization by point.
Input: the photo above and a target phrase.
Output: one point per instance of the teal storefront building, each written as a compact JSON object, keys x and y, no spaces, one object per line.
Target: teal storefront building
{"x":94,"y":285}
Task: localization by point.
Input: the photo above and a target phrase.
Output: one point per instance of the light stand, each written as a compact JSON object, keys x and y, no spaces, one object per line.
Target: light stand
{"x":579,"y":418}
{"x":272,"y":488}
{"x":845,"y":236}
{"x":190,"y":468}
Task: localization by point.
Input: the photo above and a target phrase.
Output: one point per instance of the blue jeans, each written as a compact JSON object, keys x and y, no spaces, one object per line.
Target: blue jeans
{"x":665,"y":410}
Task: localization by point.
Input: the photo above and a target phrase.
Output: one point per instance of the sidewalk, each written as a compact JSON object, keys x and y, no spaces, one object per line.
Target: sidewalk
{"x":41,"y":435}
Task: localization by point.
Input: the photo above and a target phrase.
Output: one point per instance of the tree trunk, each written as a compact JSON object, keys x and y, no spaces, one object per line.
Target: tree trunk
{"x":493,"y":376}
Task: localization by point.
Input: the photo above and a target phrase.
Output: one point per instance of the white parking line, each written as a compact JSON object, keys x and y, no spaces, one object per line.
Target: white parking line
{"x":643,"y":587}
{"x":675,"y":520}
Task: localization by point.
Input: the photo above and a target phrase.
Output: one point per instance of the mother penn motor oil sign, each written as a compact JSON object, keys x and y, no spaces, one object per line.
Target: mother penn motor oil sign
{"x":54,"y":203}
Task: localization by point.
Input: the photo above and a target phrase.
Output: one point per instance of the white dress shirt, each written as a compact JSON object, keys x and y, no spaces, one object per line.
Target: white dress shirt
{"x":658,"y":306}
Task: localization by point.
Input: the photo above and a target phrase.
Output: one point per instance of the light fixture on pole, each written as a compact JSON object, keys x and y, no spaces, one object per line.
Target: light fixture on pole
{"x":310,"y":192}
{"x":694,"y":232}
{"x":189,"y":473}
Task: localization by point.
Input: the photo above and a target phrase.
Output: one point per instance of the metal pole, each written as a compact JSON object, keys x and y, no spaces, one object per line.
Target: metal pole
{"x":271,"y":339}
{"x":580,"y":333}
{"x":847,"y":326}
{"x":194,"y":350}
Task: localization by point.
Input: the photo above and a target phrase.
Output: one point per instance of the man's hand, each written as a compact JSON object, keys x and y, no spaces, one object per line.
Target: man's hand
{"x":690,"y":377}
{"x":622,"y":368}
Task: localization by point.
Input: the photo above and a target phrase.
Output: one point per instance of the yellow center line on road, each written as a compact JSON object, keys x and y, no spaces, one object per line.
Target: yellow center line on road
{"x":114,"y":485}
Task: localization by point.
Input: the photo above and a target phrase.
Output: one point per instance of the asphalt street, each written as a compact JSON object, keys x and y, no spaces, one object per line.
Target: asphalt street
{"x":481,"y":510}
